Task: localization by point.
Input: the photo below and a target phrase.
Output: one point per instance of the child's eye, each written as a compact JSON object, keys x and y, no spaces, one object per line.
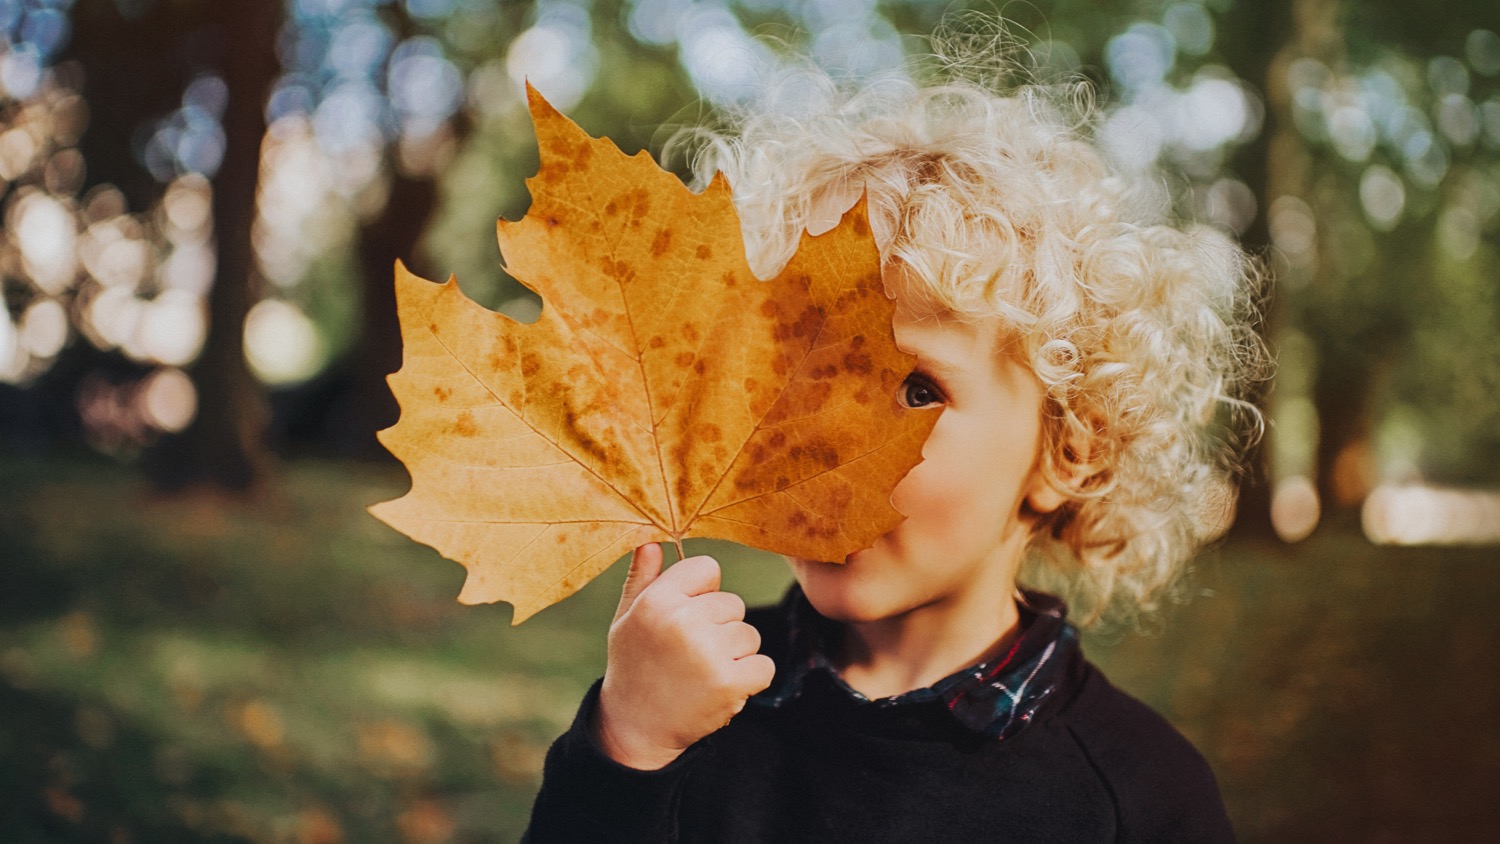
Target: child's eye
{"x":918,"y":391}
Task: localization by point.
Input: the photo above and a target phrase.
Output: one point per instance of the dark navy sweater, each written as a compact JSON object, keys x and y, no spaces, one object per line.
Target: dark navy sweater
{"x":1091,"y":764}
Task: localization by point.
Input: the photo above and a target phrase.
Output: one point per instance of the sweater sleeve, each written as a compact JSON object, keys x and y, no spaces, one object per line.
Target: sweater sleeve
{"x":1162,"y":787}
{"x":587,"y":796}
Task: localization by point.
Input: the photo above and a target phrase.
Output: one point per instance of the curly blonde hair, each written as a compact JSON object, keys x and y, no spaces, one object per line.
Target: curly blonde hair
{"x":1002,"y":205}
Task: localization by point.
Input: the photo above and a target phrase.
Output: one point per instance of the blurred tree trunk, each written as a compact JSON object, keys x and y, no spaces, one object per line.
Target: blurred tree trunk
{"x":367,"y":405}
{"x":1258,"y":42}
{"x":395,"y":234}
{"x":225,"y":444}
{"x":133,"y":71}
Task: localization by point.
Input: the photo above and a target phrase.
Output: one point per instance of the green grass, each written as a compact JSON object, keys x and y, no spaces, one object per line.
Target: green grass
{"x":196,"y":669}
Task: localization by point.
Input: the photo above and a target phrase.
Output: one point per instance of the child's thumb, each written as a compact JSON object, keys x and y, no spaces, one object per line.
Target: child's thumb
{"x":645,"y":566}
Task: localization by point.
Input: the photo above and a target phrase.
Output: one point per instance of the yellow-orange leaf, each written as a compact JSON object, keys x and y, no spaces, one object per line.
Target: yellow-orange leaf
{"x":664,"y":393}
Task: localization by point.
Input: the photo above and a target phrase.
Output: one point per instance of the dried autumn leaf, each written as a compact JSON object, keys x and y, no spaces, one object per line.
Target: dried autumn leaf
{"x":664,"y":393}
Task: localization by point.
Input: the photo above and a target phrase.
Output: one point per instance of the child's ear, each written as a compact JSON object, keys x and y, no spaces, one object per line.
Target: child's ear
{"x":1079,"y":464}
{"x":1041,"y":496}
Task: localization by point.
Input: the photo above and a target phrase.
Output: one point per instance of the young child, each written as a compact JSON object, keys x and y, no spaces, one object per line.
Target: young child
{"x":1078,"y":348}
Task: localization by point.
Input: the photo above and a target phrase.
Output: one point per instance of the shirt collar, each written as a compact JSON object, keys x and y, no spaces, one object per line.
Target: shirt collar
{"x":997,"y":697}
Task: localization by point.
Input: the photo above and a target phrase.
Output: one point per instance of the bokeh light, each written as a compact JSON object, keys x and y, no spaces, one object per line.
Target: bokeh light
{"x":556,"y":54}
{"x":282,"y":345}
{"x":1427,"y":515}
{"x":168,"y":400}
{"x":1383,"y":196}
{"x":1295,"y":508}
{"x":45,"y":230}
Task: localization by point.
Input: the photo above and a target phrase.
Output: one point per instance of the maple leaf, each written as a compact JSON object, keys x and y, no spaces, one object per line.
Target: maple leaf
{"x":664,"y":393}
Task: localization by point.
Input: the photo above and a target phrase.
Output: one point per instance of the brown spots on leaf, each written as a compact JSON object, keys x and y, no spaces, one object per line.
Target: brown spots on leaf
{"x":704,"y":252}
{"x":433,"y":327}
{"x":778,"y":439}
{"x":690,"y":332}
{"x":780,"y":365}
{"x":581,"y":157}
{"x":682,"y":485}
{"x":552,"y":221}
{"x":599,"y":316}
{"x":442,"y":394}
{"x":662,"y":242}
{"x":862,"y":397}
{"x":841,"y":496}
{"x":826,"y":532}
{"x":640,"y":206}
{"x":861,"y":225}
{"x":684,"y":359}
{"x":806,"y":325}
{"x":770,"y":309}
{"x":729,"y":279}
{"x":709,"y":432}
{"x":464,"y":425}
{"x":815,"y":396}
{"x":618,"y":270}
{"x":700,"y":366}
{"x":859,"y":363}
{"x":751,"y":386}
{"x":611,"y":209}
{"x":562,"y":539}
{"x":530,"y":364}
{"x":819,"y":453}
{"x":797,"y":519}
{"x":586,"y":443}
{"x":656,"y":342}
{"x":823,"y":373}
{"x":782,"y":482}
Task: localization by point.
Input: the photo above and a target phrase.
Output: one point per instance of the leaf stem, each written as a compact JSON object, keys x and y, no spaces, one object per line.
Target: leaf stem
{"x":680,"y":554}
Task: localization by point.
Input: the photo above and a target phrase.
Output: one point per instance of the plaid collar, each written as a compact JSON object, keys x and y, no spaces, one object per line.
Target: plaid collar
{"x":997,"y":698}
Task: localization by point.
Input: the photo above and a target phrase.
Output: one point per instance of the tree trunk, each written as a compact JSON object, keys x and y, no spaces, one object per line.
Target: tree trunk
{"x":225,"y":445}
{"x":1257,"y":40}
{"x":368,"y":405}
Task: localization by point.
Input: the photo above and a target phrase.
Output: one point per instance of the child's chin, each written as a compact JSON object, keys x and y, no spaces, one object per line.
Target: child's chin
{"x":838,"y":594}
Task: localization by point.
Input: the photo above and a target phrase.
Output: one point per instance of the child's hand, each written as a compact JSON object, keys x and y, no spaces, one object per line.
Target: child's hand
{"x":682,"y":661}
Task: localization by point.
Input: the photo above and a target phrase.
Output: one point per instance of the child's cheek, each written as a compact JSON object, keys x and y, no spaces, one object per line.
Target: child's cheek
{"x":936,"y":492}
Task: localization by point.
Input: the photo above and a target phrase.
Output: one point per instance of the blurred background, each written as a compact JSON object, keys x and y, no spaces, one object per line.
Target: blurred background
{"x":204,"y":637}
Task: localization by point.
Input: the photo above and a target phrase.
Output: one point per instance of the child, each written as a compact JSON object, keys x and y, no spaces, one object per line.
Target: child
{"x":1077,"y":348}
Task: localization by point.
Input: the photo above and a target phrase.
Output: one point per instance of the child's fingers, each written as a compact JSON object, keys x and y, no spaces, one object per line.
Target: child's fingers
{"x":719,"y":607}
{"x":738,"y":640}
{"x":693,"y":576}
{"x":754,"y":673}
{"x":645,"y":567}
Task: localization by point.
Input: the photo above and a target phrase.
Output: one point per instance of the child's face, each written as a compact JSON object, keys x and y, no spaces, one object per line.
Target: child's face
{"x":965,"y":530}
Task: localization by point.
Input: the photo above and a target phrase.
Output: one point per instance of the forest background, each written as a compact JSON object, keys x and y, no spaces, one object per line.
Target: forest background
{"x":204,"y":637}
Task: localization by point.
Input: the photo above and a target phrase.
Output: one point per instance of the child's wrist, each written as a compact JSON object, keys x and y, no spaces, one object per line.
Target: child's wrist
{"x":629,"y":750}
